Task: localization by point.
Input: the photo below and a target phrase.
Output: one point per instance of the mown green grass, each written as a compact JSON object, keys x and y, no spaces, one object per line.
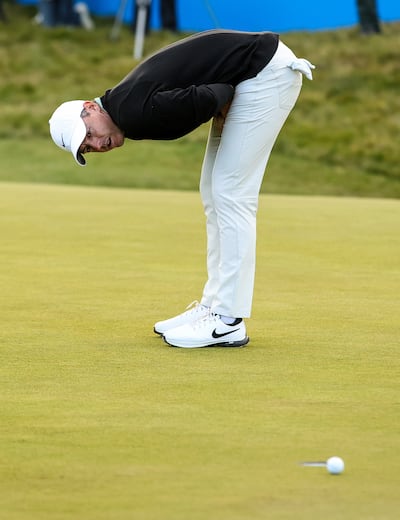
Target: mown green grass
{"x":339,"y":140}
{"x":101,"y":420}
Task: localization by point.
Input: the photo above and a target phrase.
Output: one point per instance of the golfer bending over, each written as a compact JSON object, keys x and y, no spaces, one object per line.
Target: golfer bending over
{"x":247,"y":83}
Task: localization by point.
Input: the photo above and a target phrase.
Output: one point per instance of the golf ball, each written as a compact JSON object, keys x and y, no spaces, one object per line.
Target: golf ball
{"x":335,"y":465}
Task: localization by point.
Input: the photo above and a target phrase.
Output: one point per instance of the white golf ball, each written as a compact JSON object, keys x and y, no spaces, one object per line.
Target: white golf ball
{"x":335,"y":465}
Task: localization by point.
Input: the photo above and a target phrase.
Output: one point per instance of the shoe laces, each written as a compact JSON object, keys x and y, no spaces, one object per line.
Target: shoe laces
{"x":193,"y":307}
{"x":206,"y":320}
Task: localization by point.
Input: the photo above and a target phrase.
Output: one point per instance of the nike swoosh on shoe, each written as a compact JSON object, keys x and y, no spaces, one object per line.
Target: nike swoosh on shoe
{"x":216,"y":335}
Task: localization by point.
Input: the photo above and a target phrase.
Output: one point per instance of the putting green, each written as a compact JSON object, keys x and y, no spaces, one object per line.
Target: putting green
{"x":100,"y":420}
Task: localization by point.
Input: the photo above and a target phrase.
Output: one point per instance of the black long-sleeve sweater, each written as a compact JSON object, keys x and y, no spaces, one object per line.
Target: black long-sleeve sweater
{"x":187,"y":83}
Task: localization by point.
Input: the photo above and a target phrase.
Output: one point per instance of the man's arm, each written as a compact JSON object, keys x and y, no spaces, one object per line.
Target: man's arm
{"x":197,"y":104}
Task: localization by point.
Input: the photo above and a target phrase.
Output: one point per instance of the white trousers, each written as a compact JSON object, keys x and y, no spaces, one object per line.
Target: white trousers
{"x":231,"y":177}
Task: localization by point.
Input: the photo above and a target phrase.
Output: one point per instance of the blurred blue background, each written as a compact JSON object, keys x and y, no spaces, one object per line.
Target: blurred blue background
{"x":252,"y":15}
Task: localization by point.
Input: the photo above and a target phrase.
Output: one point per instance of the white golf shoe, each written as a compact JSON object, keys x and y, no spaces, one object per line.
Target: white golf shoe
{"x":195,"y":311}
{"x":209,"y":331}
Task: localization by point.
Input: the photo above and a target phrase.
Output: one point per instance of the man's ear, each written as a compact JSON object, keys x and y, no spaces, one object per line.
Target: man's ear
{"x":91,"y":105}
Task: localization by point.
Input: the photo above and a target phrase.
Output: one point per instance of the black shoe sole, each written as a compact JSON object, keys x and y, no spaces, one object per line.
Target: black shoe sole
{"x":224,"y":344}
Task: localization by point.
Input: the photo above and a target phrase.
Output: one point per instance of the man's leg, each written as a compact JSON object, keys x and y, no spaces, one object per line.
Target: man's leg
{"x":213,"y":235}
{"x":168,"y":15}
{"x":258,"y":111}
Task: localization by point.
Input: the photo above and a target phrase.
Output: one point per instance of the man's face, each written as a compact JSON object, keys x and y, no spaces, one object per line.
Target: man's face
{"x":102,"y":135}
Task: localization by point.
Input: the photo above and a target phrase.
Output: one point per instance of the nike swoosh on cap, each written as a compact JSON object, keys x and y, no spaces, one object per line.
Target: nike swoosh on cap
{"x":62,"y":140}
{"x":216,"y":335}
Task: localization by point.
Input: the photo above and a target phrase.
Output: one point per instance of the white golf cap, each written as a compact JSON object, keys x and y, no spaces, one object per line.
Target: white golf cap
{"x":67,"y":128}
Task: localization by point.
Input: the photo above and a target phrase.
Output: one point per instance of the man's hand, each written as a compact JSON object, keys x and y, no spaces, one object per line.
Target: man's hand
{"x":219,"y":119}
